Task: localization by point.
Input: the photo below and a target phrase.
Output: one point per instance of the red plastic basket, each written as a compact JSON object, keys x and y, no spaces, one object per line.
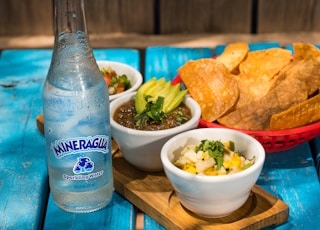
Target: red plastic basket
{"x":272,"y":141}
{"x":277,"y":140}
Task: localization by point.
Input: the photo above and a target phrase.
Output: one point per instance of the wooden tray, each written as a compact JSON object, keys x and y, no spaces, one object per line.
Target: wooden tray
{"x":153,"y":194}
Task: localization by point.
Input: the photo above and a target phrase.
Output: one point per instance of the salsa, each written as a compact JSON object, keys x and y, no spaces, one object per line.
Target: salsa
{"x":126,"y":113}
{"x":212,"y":158}
{"x":116,"y":83}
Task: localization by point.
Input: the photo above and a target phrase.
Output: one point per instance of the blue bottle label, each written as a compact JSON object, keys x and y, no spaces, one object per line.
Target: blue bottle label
{"x":83,"y":168}
{"x":65,"y":147}
{"x":83,"y":165}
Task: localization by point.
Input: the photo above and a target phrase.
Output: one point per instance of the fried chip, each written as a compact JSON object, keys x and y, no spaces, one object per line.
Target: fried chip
{"x":273,"y":87}
{"x":313,"y":81}
{"x":258,"y":73}
{"x":233,"y":55}
{"x":252,"y":88}
{"x":209,"y":82}
{"x":265,"y":63}
{"x":289,"y":89}
{"x":305,"y":51}
{"x":301,"y":114}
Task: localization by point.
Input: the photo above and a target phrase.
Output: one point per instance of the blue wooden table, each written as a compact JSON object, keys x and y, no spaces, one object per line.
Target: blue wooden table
{"x":26,"y":202}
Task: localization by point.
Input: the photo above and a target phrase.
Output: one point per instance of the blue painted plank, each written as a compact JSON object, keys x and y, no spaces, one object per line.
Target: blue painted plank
{"x":23,"y":177}
{"x":252,"y":46}
{"x":126,"y":56}
{"x":118,"y":214}
{"x":289,"y":175}
{"x":27,"y":64}
{"x":290,"y":47}
{"x":315,"y":148}
{"x":165,"y":61}
{"x":150,"y":224}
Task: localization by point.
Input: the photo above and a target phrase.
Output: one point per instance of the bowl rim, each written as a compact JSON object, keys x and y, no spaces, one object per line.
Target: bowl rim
{"x":136,"y":74}
{"x":168,"y":165}
{"x":120,"y":100}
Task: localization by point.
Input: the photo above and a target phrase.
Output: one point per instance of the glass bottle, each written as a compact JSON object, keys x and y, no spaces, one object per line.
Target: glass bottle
{"x":76,"y":117}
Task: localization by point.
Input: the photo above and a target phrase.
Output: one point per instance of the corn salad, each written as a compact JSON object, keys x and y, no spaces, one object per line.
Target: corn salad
{"x":212,"y":158}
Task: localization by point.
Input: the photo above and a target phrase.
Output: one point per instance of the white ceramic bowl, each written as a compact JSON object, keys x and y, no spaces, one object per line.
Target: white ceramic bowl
{"x":212,"y":196}
{"x":133,"y":75}
{"x":142,"y":148}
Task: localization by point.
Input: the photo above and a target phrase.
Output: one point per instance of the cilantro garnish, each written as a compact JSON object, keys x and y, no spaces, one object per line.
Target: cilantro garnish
{"x":181,"y":118}
{"x":125,"y":81}
{"x":231,"y":145}
{"x":153,"y":110}
{"x":215,"y":150}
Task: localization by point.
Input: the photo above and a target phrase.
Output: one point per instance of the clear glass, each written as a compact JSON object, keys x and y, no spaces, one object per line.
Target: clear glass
{"x":76,"y":117}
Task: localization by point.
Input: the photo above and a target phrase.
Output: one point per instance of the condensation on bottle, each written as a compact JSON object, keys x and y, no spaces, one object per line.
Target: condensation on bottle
{"x":76,"y":117}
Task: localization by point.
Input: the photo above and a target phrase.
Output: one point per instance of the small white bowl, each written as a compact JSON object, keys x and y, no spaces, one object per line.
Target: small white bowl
{"x":212,"y":196}
{"x":133,"y":75}
{"x":142,"y":148}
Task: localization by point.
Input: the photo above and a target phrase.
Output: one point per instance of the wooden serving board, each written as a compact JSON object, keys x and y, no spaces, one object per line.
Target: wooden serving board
{"x":153,"y":194}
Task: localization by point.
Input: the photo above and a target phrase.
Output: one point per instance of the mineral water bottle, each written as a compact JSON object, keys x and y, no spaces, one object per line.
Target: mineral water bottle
{"x":76,"y":117}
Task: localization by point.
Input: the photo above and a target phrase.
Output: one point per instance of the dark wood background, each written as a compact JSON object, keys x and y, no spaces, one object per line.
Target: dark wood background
{"x":127,"y":19}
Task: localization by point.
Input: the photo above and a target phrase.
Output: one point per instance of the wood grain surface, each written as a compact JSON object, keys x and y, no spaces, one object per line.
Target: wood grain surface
{"x":153,"y":194}
{"x":35,"y":17}
{"x":287,"y":16}
{"x":207,"y":16}
{"x":141,"y":42}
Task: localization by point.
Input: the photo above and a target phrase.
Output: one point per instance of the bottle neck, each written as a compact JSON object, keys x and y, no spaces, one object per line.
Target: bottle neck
{"x":69,"y":17}
{"x":72,"y":56}
{"x":71,"y":38}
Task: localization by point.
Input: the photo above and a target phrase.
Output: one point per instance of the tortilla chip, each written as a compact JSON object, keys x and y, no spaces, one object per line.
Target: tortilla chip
{"x":252,"y":88}
{"x":301,"y":114}
{"x":306,"y":51}
{"x":265,"y":64}
{"x":312,"y":54}
{"x":233,"y":55}
{"x":258,"y":73}
{"x":209,"y":82}
{"x":289,"y":89}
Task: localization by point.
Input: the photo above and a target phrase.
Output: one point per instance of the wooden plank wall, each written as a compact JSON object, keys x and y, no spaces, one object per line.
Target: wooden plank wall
{"x":34,"y":17}
{"x":28,"y":17}
{"x":288,"y":16}
{"x":125,"y":16}
{"x":205,"y":16}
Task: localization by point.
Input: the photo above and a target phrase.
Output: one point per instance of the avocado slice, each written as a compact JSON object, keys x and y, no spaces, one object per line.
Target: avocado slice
{"x":140,"y":101}
{"x":171,"y":94}
{"x":155,"y":88}
{"x":176,"y":100}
